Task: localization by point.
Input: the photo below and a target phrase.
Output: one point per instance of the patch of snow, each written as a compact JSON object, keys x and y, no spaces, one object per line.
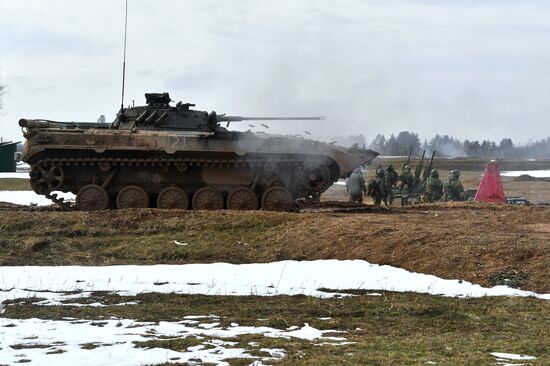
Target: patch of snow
{"x":190,"y":321}
{"x":307,"y":332}
{"x":325,"y":318}
{"x":68,"y":283}
{"x":257,"y":363}
{"x":178,"y":243}
{"x":512,"y":356}
{"x":58,"y":342}
{"x":80,"y":305}
{"x":17,"y":175}
{"x":30,"y":197}
{"x":532,"y":173}
{"x":274,"y":352}
{"x":211,"y":316}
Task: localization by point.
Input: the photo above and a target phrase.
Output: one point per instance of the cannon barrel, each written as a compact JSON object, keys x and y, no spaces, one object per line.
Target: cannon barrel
{"x":41,"y":123}
{"x":222,"y":118}
{"x":37,"y":123}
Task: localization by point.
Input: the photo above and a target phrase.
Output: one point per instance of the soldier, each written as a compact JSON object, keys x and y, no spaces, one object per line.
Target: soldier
{"x":406,"y":181}
{"x":453,"y":189}
{"x":377,"y":188}
{"x":391,"y":177}
{"x":433,"y":188}
{"x":355,"y":186}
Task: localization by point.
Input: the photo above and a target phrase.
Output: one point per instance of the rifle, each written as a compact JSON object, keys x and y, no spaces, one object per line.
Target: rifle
{"x":429,"y":168}
{"x":418,"y":171}
{"x":408,"y":159}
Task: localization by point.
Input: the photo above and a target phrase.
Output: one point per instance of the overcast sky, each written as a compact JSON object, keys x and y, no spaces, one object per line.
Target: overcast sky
{"x":471,"y":69}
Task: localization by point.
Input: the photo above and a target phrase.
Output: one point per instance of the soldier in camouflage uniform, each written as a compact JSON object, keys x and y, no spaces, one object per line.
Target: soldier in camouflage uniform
{"x":377,"y":188}
{"x":453,"y":189}
{"x":433,"y":188}
{"x":406,"y":181}
{"x":391,"y":177}
{"x":355,"y":186}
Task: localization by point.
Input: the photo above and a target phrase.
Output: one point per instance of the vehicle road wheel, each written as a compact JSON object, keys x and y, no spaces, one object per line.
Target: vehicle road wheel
{"x":132,"y":197}
{"x":46,"y":177}
{"x":277,"y":199}
{"x":92,"y":198}
{"x":242,"y":198}
{"x":207,"y":198}
{"x":173,"y":198}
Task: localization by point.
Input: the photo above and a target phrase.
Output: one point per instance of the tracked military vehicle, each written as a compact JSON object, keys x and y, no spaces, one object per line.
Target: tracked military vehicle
{"x":174,"y":157}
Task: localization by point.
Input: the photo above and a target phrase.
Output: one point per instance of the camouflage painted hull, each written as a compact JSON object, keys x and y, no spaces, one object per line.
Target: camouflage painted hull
{"x":182,"y":169}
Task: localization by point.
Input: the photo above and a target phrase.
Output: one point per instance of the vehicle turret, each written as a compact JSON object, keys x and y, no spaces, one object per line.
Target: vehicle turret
{"x":159,"y":114}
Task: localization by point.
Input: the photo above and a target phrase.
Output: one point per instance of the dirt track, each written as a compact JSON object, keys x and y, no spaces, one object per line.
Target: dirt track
{"x":484,"y":244}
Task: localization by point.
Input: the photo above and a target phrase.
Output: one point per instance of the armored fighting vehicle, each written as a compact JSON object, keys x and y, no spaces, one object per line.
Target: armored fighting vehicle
{"x":165,"y":156}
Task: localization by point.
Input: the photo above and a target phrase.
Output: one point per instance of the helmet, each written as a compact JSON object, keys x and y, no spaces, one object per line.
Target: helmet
{"x":406,"y":168}
{"x":455,"y":173}
{"x":380,"y":173}
{"x":390,"y":168}
{"x":434,"y":174}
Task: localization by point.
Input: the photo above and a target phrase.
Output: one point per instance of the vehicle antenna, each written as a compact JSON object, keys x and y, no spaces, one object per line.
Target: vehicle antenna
{"x":124,"y":58}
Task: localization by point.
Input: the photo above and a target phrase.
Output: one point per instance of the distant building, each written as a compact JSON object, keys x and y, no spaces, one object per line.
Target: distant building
{"x":8,"y":156}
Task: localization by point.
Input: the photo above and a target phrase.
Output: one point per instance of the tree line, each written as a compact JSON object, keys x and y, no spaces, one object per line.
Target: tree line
{"x":444,"y":145}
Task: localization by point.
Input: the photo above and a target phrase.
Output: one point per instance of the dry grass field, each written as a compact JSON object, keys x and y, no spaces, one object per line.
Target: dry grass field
{"x":481,"y":243}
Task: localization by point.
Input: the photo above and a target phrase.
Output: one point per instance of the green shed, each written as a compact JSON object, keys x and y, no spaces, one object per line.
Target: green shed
{"x":8,"y":156}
